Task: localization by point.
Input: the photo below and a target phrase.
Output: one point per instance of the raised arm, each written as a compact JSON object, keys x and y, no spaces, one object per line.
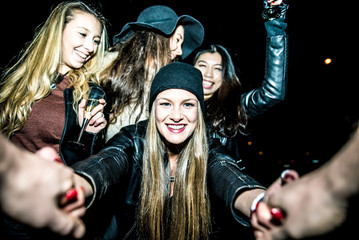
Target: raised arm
{"x":274,"y":86}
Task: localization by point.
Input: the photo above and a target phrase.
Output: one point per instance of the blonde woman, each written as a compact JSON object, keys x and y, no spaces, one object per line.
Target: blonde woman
{"x":40,"y":97}
{"x":165,"y":169}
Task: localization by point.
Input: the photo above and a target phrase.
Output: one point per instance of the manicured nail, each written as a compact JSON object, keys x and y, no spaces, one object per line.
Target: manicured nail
{"x":71,"y":195}
{"x":57,"y":159}
{"x":277,"y":215}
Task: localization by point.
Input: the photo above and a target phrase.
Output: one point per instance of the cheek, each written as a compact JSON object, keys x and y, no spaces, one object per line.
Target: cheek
{"x":173,"y":45}
{"x":193,"y":117}
{"x":160,"y":114}
{"x":218,"y":79}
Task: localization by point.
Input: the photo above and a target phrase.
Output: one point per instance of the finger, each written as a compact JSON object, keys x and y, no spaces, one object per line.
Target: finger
{"x":98,"y":120}
{"x":97,"y":109}
{"x":48,"y":153}
{"x":64,"y":224}
{"x":81,"y":111}
{"x":102,"y":101}
{"x":278,"y":233}
{"x":75,"y":203}
{"x":79,"y":212}
{"x":274,"y":2}
{"x":258,"y":229}
{"x":69,"y":197}
{"x":264,"y":216}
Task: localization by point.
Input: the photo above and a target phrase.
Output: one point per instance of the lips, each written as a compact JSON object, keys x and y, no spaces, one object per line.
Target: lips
{"x":82,"y":55}
{"x":207,"y":84}
{"x":176,"y":128}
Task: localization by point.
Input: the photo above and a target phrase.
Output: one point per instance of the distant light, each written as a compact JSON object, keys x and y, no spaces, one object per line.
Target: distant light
{"x":260,"y":153}
{"x":250,"y":143}
{"x":315,"y":161}
{"x":328,"y":61}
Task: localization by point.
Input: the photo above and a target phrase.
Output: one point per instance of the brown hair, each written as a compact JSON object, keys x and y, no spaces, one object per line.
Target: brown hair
{"x":139,"y":59}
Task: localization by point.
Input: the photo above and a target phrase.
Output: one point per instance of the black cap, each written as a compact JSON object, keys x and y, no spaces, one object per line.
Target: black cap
{"x":178,"y":76}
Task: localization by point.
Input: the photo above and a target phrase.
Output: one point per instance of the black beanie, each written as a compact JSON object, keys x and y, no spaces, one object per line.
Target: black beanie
{"x":178,"y":76}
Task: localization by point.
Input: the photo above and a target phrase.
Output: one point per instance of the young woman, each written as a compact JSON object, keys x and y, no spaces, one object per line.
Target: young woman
{"x":165,"y":169}
{"x":157,"y":38}
{"x":222,"y":87}
{"x":40,"y":96}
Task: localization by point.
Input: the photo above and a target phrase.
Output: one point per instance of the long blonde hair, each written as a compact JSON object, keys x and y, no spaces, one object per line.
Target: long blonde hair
{"x":29,"y":79}
{"x":190,"y":209}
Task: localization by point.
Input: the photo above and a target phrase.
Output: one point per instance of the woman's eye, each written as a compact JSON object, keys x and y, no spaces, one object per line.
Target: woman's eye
{"x":166,"y":104}
{"x":189,"y":104}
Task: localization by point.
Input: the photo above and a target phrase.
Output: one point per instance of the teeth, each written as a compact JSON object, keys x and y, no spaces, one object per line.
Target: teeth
{"x":84,"y":56}
{"x":207,"y":84}
{"x":176,"y":126}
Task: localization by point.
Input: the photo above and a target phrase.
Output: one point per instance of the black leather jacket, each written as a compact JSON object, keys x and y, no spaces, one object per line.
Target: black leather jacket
{"x":118,"y":167}
{"x":274,"y":85}
{"x":93,"y":142}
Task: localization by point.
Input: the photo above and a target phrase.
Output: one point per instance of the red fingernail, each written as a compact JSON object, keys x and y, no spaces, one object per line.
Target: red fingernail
{"x":57,"y":159}
{"x":276,"y":214}
{"x":71,"y":195}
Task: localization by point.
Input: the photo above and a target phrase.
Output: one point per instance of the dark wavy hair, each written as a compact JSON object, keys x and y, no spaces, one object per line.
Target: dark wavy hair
{"x":139,"y":58}
{"x":224,"y":112}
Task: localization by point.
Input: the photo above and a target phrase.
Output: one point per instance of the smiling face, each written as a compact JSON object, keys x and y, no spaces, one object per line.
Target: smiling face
{"x":210,"y":65}
{"x":176,"y":112}
{"x":80,"y":39}
{"x":176,"y":42}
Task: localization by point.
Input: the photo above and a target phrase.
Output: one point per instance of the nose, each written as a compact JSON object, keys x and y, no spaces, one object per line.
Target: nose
{"x":179,"y":51}
{"x":208,"y":72}
{"x":176,"y":114}
{"x":90,"y":46}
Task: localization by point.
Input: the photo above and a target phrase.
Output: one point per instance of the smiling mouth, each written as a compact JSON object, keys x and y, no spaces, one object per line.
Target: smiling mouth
{"x":176,"y":128}
{"x":207,"y":84}
{"x":82,"y":55}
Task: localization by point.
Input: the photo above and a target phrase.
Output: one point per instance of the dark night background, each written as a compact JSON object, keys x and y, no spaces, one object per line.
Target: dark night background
{"x":319,"y":112}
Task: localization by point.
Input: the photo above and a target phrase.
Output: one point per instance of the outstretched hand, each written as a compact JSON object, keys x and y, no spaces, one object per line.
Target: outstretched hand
{"x":267,"y":218}
{"x":31,"y":188}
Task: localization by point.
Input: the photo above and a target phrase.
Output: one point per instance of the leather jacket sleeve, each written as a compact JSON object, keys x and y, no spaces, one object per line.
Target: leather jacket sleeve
{"x":93,"y":142}
{"x":274,"y":86}
{"x":110,"y":166}
{"x":226,"y":181}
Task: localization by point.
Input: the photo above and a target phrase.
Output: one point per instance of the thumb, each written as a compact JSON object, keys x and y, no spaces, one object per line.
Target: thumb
{"x":47,"y":153}
{"x":81,"y":111}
